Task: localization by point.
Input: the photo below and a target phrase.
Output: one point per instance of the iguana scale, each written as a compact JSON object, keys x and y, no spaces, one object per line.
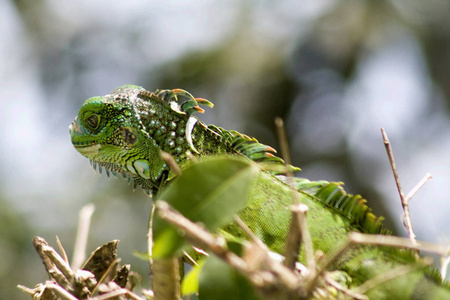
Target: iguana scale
{"x":124,"y":132}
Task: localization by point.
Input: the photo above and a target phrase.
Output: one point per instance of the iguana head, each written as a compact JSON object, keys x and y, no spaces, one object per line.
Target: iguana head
{"x":125,"y":132}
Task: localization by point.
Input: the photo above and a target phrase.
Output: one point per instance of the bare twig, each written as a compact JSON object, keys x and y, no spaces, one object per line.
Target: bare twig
{"x":148,"y":294}
{"x":356,"y":238}
{"x":166,"y":276}
{"x":344,"y":290}
{"x":66,"y":284}
{"x":62,"y":250}
{"x":386,"y":276}
{"x":189,"y":259}
{"x":106,"y":273}
{"x":203,"y":239}
{"x":170,"y":161}
{"x":300,"y":211}
{"x":298,"y":232}
{"x":60,"y":292}
{"x":58,"y":262}
{"x":293,"y":240}
{"x":395,"y":241}
{"x":417,"y":187}
{"x":282,"y":271}
{"x":283,"y":141}
{"x":150,"y":234}
{"x":116,"y":293}
{"x":200,"y":237}
{"x":250,"y":233}
{"x":166,"y":279}
{"x":84,"y":221}
{"x":312,"y":281}
{"x":27,"y":290}
{"x":42,"y":248}
{"x":405,"y":205}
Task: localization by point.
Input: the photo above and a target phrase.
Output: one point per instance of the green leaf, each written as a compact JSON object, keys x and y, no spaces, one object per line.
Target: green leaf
{"x":210,"y":192}
{"x":190,"y":281}
{"x":219,"y":281}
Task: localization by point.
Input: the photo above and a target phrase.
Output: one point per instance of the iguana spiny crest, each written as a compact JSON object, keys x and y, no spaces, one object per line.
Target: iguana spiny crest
{"x":125,"y":132}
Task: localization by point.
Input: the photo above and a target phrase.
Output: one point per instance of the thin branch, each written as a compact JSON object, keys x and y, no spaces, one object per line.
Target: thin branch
{"x":116,"y":293}
{"x":327,"y":264}
{"x":298,"y":232}
{"x":170,"y":161}
{"x":42,"y":249}
{"x":27,"y":290}
{"x":189,"y":259}
{"x":148,"y":293}
{"x":343,"y":289}
{"x":200,"y":237}
{"x":166,"y":279}
{"x":417,"y":187}
{"x":203,"y":239}
{"x":106,"y":273}
{"x":60,"y":292}
{"x":150,"y":234}
{"x":405,"y":205}
{"x":386,"y":276}
{"x":58,"y":262}
{"x":300,"y":211}
{"x":333,"y":257}
{"x":293,"y":240}
{"x":84,"y":221}
{"x":283,"y":141}
{"x":283,"y":272}
{"x":62,"y":250}
{"x":399,"y":242}
{"x":356,"y":238}
{"x":250,"y":233}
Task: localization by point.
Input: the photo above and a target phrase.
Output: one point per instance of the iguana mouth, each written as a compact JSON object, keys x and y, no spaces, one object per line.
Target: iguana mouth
{"x":88,"y":150}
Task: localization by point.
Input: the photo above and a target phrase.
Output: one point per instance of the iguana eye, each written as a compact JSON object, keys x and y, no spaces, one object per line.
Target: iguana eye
{"x":93,"y":121}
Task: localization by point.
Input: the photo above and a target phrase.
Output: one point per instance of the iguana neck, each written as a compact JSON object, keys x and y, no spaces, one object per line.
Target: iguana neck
{"x":179,"y":134}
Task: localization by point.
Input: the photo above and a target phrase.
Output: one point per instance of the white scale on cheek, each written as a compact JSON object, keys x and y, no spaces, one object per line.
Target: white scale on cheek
{"x":143,"y":168}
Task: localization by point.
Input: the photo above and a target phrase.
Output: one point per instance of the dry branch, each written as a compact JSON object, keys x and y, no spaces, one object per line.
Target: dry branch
{"x":404,"y":202}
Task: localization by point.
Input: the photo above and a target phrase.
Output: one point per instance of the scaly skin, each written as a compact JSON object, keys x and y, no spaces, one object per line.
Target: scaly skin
{"x":125,"y":132}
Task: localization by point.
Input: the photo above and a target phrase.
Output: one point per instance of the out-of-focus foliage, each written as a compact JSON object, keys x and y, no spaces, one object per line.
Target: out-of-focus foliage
{"x":335,"y":70}
{"x":207,"y":193}
{"x":218,"y":280}
{"x":16,"y":251}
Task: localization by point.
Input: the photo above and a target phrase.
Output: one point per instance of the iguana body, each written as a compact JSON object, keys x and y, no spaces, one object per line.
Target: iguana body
{"x":126,"y":131}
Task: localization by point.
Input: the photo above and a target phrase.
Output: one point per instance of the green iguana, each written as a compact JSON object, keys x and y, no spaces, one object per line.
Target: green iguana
{"x":126,"y":131}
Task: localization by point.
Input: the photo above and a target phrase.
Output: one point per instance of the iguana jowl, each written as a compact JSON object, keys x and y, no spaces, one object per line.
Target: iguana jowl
{"x":125,"y":132}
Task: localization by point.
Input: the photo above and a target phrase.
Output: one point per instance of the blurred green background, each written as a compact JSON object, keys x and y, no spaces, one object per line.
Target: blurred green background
{"x":335,"y":70}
